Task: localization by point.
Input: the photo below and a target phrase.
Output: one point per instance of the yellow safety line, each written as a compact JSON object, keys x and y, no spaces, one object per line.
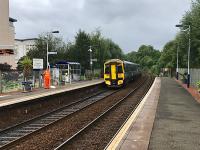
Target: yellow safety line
{"x":113,"y":145}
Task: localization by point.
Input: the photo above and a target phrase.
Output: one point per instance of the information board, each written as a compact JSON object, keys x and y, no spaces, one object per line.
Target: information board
{"x":37,"y":63}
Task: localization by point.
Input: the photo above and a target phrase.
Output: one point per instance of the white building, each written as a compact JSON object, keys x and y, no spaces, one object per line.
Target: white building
{"x":22,"y":46}
{"x":7,"y":34}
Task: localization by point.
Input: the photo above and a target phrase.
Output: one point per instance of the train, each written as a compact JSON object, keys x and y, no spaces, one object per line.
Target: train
{"x":118,"y":72}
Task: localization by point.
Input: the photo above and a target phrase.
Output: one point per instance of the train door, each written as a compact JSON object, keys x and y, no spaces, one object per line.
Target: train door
{"x":113,"y":72}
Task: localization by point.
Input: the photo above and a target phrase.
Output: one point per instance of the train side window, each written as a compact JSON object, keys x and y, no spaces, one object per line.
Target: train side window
{"x":119,"y":68}
{"x":107,"y":69}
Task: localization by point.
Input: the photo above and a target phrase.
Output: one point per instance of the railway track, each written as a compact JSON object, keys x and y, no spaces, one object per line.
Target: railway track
{"x":51,"y":130}
{"x":13,"y":134}
{"x":88,"y":135}
{"x":20,"y":112}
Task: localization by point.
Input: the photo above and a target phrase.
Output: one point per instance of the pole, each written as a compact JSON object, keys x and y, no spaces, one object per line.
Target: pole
{"x":0,"y":82}
{"x":177,"y":63}
{"x":90,"y":50}
{"x":188,"y":77}
{"x":33,"y":78}
{"x":47,"y":53}
{"x":40,"y":78}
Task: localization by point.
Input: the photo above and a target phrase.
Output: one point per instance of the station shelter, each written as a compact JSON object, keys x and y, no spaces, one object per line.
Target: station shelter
{"x":68,"y":72}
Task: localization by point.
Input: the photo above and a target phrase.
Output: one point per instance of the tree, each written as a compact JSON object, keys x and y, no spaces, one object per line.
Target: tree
{"x":54,"y":44}
{"x":79,"y":51}
{"x":26,"y":64}
{"x":191,"y":18}
{"x":102,"y":49}
{"x":147,"y":57}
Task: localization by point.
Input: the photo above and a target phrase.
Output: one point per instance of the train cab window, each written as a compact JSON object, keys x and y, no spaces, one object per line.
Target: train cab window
{"x":119,"y":69}
{"x":107,"y":69}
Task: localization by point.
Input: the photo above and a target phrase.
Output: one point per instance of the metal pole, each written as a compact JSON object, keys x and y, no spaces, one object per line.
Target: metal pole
{"x":177,"y":63}
{"x":188,"y":77}
{"x":47,"y":53}
{"x":90,"y":50}
{"x":0,"y":81}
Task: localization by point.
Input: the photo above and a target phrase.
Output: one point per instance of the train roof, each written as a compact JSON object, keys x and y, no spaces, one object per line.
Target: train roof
{"x":114,"y":60}
{"x":120,"y":61}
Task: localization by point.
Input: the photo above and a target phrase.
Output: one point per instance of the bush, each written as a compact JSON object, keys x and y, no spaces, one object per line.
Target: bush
{"x":198,"y":85}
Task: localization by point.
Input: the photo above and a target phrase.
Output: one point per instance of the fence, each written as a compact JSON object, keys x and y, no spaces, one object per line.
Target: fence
{"x":12,"y":81}
{"x":194,"y":75}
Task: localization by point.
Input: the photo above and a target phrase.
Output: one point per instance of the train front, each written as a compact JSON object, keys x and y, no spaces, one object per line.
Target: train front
{"x":114,"y":73}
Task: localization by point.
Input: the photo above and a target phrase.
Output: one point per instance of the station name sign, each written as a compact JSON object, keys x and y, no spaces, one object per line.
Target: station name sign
{"x":37,"y":63}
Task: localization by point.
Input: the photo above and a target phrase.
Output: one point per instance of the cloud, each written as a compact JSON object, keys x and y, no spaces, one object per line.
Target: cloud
{"x":127,"y":22}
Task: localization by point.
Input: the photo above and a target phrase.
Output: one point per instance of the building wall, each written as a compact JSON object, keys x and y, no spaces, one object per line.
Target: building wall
{"x":7,"y":35}
{"x":6,"y":28}
{"x":9,"y":60}
{"x":22,"y":46}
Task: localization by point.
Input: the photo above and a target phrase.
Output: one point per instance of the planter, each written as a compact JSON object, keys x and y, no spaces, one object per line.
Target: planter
{"x":27,"y":86}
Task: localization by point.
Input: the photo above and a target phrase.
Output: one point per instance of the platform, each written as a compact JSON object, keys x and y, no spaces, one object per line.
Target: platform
{"x":167,"y":119}
{"x":135,"y":133}
{"x":17,"y":97}
{"x":177,"y":122}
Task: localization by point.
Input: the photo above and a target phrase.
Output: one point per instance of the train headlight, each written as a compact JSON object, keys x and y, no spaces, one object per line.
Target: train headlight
{"x":120,"y":82}
{"x":108,"y":82}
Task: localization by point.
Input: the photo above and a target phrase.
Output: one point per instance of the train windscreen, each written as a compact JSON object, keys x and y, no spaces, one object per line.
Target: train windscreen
{"x":107,"y":69}
{"x":119,"y":69}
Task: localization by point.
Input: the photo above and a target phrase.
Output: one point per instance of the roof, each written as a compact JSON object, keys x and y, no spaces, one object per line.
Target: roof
{"x":12,"y":19}
{"x":120,"y":61}
{"x":128,"y":62}
{"x":114,"y":60}
{"x":26,"y":39}
{"x":63,"y":62}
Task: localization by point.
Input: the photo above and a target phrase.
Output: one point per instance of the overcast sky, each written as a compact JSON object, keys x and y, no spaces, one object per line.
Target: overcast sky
{"x":129,"y":23}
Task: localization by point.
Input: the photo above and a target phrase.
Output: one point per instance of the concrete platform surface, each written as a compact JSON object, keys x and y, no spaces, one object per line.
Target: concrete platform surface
{"x":177,"y":121}
{"x":135,"y":133}
{"x":16,"y":97}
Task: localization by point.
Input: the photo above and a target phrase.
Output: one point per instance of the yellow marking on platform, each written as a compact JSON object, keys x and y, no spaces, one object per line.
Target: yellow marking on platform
{"x":113,"y":145}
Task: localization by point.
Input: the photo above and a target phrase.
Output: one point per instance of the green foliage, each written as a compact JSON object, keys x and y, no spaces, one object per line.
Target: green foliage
{"x":181,"y":41}
{"x":5,"y":67}
{"x":147,"y":57}
{"x":54,"y":44}
{"x":26,"y":64}
{"x":198,"y":85}
{"x":102,"y":49}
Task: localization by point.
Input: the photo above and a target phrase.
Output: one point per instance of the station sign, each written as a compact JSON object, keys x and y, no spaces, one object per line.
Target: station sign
{"x":37,"y":64}
{"x":52,"y":53}
{"x":94,"y":59}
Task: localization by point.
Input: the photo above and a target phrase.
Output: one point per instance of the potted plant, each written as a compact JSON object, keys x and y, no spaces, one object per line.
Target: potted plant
{"x":26,"y":64}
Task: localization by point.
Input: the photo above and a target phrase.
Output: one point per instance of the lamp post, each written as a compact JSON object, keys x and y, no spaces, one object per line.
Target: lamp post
{"x":189,"y":44}
{"x":177,"y":63}
{"x":48,"y":47}
{"x":90,"y":50}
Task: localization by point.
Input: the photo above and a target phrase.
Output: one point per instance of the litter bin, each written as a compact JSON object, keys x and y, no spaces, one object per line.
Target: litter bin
{"x":27,"y":86}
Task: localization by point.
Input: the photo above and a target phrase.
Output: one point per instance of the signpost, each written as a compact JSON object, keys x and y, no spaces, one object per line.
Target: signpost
{"x":52,"y":53}
{"x":37,"y":65}
{"x":94,"y":59}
